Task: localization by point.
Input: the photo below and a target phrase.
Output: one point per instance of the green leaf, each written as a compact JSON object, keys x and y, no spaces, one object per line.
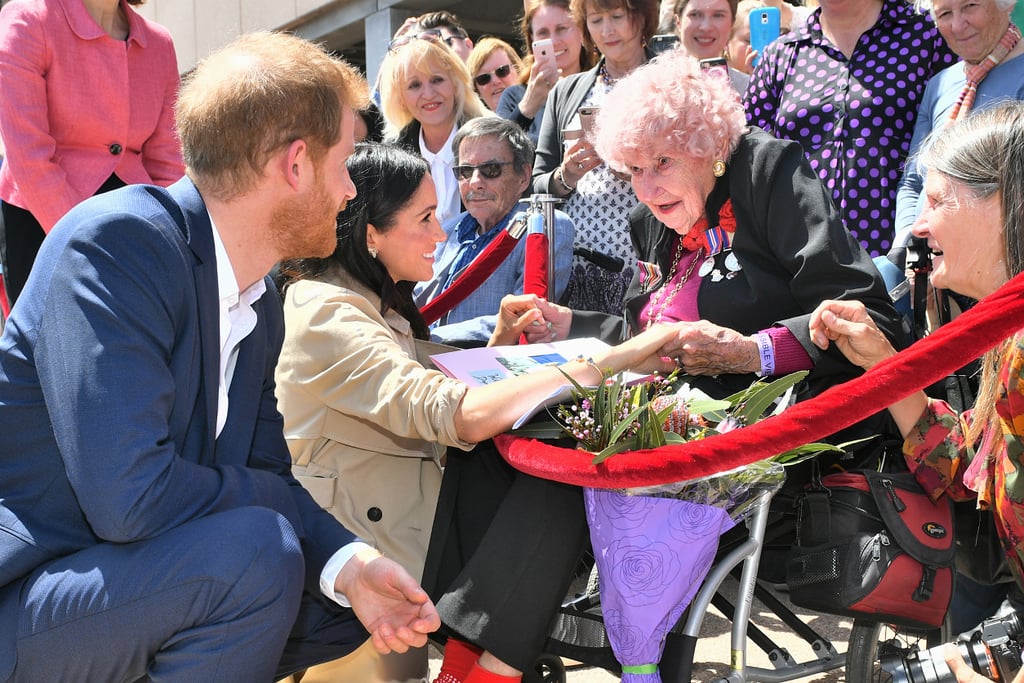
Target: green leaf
{"x":808,"y":450}
{"x":763,"y":396}
{"x":708,"y":406}
{"x":615,"y":449}
{"x":624,"y":425}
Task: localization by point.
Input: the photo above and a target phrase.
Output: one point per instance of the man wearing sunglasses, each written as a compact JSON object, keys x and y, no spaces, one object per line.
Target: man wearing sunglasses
{"x":449,"y":30}
{"x":494,"y":164}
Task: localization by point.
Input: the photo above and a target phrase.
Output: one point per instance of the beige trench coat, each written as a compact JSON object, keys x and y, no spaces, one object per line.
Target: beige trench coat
{"x":367,"y":423}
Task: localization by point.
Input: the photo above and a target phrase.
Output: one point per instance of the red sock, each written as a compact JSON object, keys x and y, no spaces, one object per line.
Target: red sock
{"x":459,"y":658}
{"x":478,"y":674}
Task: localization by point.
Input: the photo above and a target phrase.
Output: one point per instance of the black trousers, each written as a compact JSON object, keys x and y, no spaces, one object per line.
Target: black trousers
{"x":20,"y":239}
{"x":503,"y":551}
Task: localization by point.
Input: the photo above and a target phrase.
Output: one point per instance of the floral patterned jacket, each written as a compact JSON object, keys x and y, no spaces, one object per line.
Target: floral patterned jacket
{"x":936,"y":451}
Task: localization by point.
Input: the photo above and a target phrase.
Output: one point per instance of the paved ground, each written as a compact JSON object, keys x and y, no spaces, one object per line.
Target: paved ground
{"x":713,"y":649}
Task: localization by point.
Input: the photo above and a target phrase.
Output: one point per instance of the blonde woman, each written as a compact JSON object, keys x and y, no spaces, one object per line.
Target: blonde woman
{"x":426,"y":94}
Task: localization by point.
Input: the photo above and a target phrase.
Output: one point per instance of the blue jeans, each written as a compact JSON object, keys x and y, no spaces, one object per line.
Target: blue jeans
{"x":974,"y":602}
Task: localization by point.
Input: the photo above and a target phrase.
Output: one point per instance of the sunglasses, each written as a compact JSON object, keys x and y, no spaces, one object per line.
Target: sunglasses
{"x":501,"y":72}
{"x":434,"y":35}
{"x":490,"y":170}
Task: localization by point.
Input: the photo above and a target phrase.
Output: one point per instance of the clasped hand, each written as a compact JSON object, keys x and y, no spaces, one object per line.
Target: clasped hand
{"x":530,"y":315}
{"x":699,"y":348}
{"x":848,"y":325}
{"x":703,"y":348}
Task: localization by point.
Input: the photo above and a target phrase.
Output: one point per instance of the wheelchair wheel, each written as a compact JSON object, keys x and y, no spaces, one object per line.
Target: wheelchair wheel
{"x":872,"y":641}
{"x":547,"y":669}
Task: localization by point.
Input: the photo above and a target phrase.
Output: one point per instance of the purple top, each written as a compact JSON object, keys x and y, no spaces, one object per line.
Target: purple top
{"x":854,"y":117}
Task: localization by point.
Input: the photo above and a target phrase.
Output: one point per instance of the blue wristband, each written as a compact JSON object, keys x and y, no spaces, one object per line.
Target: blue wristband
{"x":766,"y":351}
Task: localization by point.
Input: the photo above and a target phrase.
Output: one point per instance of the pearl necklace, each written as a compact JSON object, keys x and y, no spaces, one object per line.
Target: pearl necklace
{"x":664,"y":302}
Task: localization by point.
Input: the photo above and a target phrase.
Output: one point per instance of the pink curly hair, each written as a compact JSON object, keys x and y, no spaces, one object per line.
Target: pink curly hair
{"x":668,"y":107}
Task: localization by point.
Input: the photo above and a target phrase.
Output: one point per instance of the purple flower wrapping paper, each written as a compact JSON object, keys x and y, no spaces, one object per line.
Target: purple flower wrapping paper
{"x":652,"y":556}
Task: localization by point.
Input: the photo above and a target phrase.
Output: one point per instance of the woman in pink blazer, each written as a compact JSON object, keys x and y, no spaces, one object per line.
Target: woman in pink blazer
{"x":88,"y":90}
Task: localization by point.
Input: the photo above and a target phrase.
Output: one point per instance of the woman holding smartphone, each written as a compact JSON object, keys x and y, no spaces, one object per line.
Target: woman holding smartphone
{"x":557,"y":51}
{"x":598,"y":200}
{"x":704,"y":28}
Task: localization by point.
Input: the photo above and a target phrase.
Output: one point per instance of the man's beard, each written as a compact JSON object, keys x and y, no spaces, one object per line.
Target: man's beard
{"x":306,"y":226}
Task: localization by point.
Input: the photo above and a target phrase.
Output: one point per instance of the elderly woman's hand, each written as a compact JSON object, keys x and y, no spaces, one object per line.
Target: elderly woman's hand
{"x":703,"y":348}
{"x":848,"y":325}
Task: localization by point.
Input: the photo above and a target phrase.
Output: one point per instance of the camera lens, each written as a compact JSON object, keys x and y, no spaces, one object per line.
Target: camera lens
{"x":929,"y":666}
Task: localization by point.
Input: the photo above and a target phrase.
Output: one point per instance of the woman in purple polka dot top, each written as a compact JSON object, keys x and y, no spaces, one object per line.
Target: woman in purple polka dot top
{"x":847,"y":86}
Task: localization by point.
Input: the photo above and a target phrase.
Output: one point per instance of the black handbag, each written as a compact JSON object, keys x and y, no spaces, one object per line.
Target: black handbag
{"x":873,"y":544}
{"x":979,"y":552}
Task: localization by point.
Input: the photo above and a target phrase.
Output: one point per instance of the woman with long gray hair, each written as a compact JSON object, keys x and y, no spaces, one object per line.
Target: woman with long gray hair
{"x":973,"y":221}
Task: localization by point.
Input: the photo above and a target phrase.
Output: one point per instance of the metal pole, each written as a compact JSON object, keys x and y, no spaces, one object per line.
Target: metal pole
{"x":545,"y":205}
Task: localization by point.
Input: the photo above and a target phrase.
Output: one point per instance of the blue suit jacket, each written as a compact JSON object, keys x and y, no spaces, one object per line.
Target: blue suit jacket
{"x":108,"y":385}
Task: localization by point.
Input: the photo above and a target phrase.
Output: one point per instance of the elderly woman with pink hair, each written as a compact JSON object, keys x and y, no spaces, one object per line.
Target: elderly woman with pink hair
{"x":736,"y":240}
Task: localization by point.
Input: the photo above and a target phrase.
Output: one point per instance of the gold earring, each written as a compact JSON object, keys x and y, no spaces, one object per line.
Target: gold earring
{"x":718,"y":168}
{"x":373,"y":251}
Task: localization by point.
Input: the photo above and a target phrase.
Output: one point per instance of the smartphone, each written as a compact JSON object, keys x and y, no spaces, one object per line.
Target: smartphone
{"x":765,"y":26}
{"x":587,"y":116}
{"x":663,"y":42}
{"x":544,"y":53}
{"x":717,"y":64}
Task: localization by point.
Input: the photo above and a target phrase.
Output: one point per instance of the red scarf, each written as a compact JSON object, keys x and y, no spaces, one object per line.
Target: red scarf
{"x":714,"y":239}
{"x":976,"y":73}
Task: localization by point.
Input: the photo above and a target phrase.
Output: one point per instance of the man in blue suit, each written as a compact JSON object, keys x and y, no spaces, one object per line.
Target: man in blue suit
{"x":150,"y":527}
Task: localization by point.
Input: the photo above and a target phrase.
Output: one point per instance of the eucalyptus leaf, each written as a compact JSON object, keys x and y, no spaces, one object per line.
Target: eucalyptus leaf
{"x":763,"y":396}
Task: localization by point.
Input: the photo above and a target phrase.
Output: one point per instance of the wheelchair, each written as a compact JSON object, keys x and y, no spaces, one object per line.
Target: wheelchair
{"x":578,"y":632}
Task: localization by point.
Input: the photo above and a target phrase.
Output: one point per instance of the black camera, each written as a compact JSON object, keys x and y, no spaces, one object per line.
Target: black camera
{"x":994,"y":651}
{"x":919,"y":256}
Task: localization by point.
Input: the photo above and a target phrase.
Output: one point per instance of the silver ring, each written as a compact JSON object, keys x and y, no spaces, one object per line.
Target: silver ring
{"x":579,"y":165}
{"x":679,"y":362}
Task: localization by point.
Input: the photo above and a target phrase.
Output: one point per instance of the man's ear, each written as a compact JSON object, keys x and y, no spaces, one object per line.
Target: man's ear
{"x":296,"y":163}
{"x":527,"y":178}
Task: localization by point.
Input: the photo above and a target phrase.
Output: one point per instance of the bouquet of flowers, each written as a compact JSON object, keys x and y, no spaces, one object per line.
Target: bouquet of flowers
{"x":617,"y":416}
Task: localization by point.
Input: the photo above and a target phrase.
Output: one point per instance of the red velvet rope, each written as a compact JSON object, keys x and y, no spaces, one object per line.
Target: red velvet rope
{"x":535,"y":265}
{"x":952,"y":346}
{"x":471,"y":278}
